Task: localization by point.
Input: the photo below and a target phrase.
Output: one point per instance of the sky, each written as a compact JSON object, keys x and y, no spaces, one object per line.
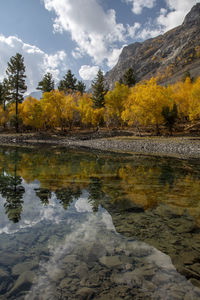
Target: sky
{"x":81,"y":35}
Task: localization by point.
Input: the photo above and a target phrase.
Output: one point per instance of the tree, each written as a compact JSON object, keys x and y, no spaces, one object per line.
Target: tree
{"x":114,"y":103}
{"x":129,"y":78}
{"x":46,"y":84}
{"x":16,"y":77}
{"x":4,"y":92}
{"x":170,"y":116}
{"x":31,"y":113}
{"x":68,"y":83}
{"x":81,"y":87}
{"x":98,"y":90}
{"x":187,"y":75}
{"x":144,"y":104}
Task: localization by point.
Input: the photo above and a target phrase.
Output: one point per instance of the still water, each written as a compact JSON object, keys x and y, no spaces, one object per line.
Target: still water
{"x":82,"y":225}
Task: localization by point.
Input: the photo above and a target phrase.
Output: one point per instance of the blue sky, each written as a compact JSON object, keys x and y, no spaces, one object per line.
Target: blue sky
{"x":81,"y":35}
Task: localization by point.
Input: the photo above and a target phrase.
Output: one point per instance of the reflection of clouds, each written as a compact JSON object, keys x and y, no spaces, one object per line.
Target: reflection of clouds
{"x":95,"y":233}
{"x":82,"y":205}
{"x":33,"y":213}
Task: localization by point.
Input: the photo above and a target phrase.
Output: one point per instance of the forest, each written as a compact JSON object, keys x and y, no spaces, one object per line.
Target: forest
{"x":129,"y":104}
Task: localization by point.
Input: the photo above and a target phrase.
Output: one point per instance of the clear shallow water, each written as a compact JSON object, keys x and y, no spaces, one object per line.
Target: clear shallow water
{"x":77,"y":225}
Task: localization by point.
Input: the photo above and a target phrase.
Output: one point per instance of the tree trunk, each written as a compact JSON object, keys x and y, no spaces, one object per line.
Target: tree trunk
{"x":157,"y":129}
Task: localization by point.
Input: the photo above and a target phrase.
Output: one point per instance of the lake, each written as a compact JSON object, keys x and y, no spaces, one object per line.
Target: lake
{"x":92,"y":225}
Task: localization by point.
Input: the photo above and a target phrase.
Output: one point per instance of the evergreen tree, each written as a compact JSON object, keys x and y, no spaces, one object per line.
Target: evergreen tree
{"x":4,"y":94}
{"x":81,"y":87}
{"x":46,"y":84}
{"x":16,"y":77}
{"x":186,"y":75}
{"x":121,"y":80}
{"x":98,"y":90}
{"x":170,"y":116}
{"x":68,"y":83}
{"x":129,"y":78}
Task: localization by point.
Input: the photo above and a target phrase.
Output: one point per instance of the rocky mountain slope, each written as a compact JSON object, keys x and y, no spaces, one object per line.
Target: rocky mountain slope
{"x":168,"y":56}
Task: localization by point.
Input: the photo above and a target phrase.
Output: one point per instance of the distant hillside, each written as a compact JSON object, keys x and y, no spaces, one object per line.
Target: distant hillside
{"x":169,"y":55}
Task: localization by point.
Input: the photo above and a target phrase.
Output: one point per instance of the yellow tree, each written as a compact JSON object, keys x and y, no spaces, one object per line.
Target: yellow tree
{"x":181,"y":96}
{"x":11,"y":114}
{"x":114,"y":103}
{"x":194,"y":101}
{"x":89,"y":115}
{"x":3,"y":116}
{"x":58,"y":109}
{"x":145,"y":102}
{"x":31,"y":113}
{"x":70,"y":108}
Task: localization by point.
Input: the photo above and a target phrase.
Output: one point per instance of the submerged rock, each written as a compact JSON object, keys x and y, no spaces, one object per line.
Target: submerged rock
{"x":110,"y":261}
{"x":23,"y":283}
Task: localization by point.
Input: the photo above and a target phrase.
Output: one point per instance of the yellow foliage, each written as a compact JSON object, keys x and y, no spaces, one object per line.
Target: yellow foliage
{"x":89,"y":114}
{"x":181,"y":96}
{"x":3,"y":116}
{"x":31,"y":112}
{"x":114,"y":102}
{"x":194,"y":101}
{"x":145,"y":102}
{"x":58,"y":108}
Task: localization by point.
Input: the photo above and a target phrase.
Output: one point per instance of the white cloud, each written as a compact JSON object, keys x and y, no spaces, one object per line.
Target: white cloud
{"x":37,"y":62}
{"x":132,"y":29}
{"x":138,"y":5}
{"x":77,"y":53}
{"x":95,"y":31}
{"x":113,"y":58}
{"x":169,"y":18}
{"x":178,"y":10}
{"x":147,"y":33}
{"x":88,"y":72}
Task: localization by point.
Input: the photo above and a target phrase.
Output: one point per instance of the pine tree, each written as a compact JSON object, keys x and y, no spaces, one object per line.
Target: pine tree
{"x":187,"y":75}
{"x":68,"y":83}
{"x":46,"y":84}
{"x":121,"y":80}
{"x":16,"y":77}
{"x":80,"y":87}
{"x":170,"y":116}
{"x":98,"y":90}
{"x":129,"y":78}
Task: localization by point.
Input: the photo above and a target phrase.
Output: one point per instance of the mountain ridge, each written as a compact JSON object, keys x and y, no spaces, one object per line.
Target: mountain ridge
{"x":167,"y":56}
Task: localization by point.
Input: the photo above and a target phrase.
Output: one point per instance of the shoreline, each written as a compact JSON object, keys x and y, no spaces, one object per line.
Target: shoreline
{"x":121,"y":142}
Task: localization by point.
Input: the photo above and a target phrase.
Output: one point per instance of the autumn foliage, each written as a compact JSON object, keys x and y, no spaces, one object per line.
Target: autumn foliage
{"x":140,"y":105}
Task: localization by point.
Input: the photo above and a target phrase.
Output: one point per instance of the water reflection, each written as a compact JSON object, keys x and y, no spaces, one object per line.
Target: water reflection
{"x":145,"y":182}
{"x":57,"y":238}
{"x":93,"y":261}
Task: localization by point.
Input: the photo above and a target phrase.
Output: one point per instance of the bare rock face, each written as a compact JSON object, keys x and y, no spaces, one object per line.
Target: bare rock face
{"x":167,"y":56}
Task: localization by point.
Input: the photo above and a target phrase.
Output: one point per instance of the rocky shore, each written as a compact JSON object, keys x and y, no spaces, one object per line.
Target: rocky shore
{"x":117,"y":141}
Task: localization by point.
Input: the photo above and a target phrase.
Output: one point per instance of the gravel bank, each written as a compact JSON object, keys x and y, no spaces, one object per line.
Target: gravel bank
{"x":183,"y":147}
{"x":113,"y":141}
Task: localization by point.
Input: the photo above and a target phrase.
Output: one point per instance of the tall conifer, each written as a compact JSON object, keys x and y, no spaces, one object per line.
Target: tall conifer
{"x":16,"y":77}
{"x":98,"y":90}
{"x":46,"y":84}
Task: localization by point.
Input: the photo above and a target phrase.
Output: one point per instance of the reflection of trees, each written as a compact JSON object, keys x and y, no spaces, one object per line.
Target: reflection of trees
{"x":12,"y":190}
{"x":44,"y":195}
{"x":167,"y":175}
{"x":67,"y":195}
{"x":143,"y":181}
{"x":95,"y":192}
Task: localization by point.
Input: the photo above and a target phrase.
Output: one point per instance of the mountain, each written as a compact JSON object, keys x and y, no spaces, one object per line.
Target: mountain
{"x":168,"y":56}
